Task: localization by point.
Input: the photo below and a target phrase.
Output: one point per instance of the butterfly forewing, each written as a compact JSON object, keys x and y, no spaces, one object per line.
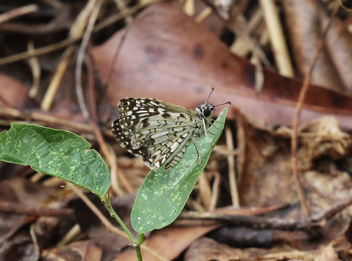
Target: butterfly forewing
{"x":156,"y":131}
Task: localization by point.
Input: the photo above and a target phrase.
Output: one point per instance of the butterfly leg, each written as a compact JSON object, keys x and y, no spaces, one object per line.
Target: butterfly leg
{"x":198,"y":154}
{"x":205,"y":130}
{"x":212,"y":123}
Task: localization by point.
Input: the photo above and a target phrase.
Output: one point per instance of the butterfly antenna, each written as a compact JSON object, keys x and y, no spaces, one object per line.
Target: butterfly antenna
{"x":212,"y":89}
{"x":223,"y":104}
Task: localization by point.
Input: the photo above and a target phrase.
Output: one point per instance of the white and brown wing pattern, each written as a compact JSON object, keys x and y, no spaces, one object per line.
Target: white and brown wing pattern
{"x":157,"y":131}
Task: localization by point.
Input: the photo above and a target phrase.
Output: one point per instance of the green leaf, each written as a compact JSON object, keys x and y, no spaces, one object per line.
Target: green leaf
{"x":56,"y":152}
{"x":164,"y":193}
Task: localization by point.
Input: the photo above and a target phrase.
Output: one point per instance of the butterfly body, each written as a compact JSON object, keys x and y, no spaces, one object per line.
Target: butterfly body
{"x":157,"y":131}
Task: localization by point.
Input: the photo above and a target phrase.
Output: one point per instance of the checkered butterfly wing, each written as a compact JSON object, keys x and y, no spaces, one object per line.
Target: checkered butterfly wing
{"x":156,"y":131}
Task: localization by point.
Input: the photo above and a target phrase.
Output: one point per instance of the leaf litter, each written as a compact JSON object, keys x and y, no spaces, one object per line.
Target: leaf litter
{"x":175,"y":57}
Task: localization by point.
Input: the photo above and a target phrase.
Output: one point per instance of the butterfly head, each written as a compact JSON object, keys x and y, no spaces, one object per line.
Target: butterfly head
{"x":205,"y":110}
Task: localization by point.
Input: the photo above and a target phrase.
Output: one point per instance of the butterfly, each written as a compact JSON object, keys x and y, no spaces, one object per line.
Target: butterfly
{"x":159,"y":132}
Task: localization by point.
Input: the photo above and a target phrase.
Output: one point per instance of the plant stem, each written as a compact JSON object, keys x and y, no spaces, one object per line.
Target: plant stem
{"x":140,"y":238}
{"x":135,"y":243}
{"x":138,"y":252}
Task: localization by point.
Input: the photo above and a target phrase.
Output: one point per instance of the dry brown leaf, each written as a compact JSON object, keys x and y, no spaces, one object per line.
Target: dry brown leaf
{"x":168,"y":56}
{"x":83,"y":250}
{"x":13,"y":93}
{"x":267,"y":174}
{"x":208,"y":249}
{"x":327,"y":254}
{"x":302,"y":19}
{"x":21,"y":192}
{"x":171,"y":241}
{"x":338,"y":41}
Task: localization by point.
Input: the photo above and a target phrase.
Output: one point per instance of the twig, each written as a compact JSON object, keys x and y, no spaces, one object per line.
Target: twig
{"x":188,"y":7}
{"x":251,"y":221}
{"x":70,"y":41}
{"x":113,"y":170}
{"x":17,"y":12}
{"x":344,"y":7}
{"x":125,"y":13}
{"x":70,"y":235}
{"x":93,"y":9}
{"x":40,"y":116}
{"x":24,"y":209}
{"x":277,"y":38}
{"x":107,"y":154}
{"x":204,"y":15}
{"x":122,"y":5}
{"x":92,"y":88}
{"x":98,"y":213}
{"x":37,"y":52}
{"x":36,"y":71}
{"x":222,"y":150}
{"x":76,"y":31}
{"x":333,"y":210}
{"x":215,"y":189}
{"x":79,"y":89}
{"x":36,"y":254}
{"x":299,"y":105}
{"x":205,"y":192}
{"x":55,"y":82}
{"x":232,"y":169}
{"x":309,"y":224}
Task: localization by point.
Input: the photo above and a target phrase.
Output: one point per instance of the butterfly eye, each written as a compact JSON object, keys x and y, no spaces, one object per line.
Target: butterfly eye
{"x":206,"y":112}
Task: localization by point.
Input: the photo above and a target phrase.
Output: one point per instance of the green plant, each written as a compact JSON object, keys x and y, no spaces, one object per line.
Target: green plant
{"x":67,"y":156}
